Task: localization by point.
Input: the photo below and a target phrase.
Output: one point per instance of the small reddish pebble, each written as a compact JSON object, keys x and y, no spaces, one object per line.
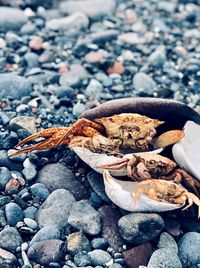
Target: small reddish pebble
{"x":63,"y":68}
{"x":36,"y":43}
{"x":117,"y":68}
{"x":12,"y":186}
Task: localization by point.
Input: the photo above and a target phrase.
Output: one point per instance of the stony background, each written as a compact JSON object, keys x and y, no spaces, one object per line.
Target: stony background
{"x":58,"y":59}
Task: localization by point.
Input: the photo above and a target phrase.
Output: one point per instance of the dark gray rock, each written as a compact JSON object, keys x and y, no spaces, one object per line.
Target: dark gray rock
{"x":77,"y":242}
{"x":92,"y":8}
{"x":84,"y":217}
{"x":188,"y":249}
{"x":7,"y":259}
{"x":5,"y":176}
{"x":99,"y":243}
{"x":57,"y":176}
{"x":11,"y":19}
{"x":99,"y":257}
{"x":14,"y":86}
{"x":139,"y":228}
{"x":14,"y":214}
{"x":45,"y":252}
{"x":46,"y":233}
{"x":164,"y":258}
{"x":10,"y":239}
{"x":6,"y":162}
{"x":40,"y":190}
{"x":56,"y":209}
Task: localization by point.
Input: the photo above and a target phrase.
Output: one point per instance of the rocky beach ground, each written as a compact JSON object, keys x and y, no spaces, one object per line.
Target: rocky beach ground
{"x":57,"y":59}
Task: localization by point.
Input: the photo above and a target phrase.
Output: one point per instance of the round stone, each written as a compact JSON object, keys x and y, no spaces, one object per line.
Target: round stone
{"x":14,"y":214}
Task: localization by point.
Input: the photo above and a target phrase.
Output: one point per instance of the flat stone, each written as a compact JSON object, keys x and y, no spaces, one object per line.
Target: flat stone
{"x":84,"y":217}
{"x":25,"y":122}
{"x":138,"y":228}
{"x":188,"y":250}
{"x":137,"y":256}
{"x":14,"y":86}
{"x":7,"y":259}
{"x":92,"y":8}
{"x":77,"y":242}
{"x":10,"y":239}
{"x":76,"y":21}
{"x":57,"y":176}
{"x":131,"y":38}
{"x":109,"y":229}
{"x":45,"y":252}
{"x":56,"y":209}
{"x":11,"y":19}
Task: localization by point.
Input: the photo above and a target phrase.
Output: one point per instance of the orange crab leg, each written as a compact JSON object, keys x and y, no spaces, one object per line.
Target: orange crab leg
{"x":115,"y":166}
{"x":168,"y":138}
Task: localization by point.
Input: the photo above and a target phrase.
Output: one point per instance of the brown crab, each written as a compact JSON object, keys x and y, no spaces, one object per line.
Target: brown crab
{"x":145,"y":166}
{"x":107,"y":134}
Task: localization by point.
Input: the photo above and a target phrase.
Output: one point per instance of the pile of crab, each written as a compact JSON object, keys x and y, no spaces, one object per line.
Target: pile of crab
{"x":127,"y":146}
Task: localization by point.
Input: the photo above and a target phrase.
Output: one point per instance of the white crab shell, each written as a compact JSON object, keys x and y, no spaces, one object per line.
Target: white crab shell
{"x":121,"y":194}
{"x":94,"y":159}
{"x":187,"y":151}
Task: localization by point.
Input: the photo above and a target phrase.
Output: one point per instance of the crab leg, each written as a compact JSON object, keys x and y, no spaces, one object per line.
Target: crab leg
{"x":168,"y":138}
{"x":192,"y":199}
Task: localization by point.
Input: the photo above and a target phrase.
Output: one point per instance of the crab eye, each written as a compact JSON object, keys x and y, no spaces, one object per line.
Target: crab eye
{"x":152,"y":162}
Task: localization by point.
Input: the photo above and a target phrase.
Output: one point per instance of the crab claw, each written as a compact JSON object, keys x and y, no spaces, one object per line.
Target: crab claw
{"x":192,"y":198}
{"x":51,"y":137}
{"x":168,"y":138}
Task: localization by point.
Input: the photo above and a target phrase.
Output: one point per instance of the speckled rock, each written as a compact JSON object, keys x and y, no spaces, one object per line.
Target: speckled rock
{"x":139,"y":228}
{"x":55,"y":209}
{"x":10,"y":239}
{"x":25,"y":122}
{"x":167,"y":241}
{"x":46,"y":233}
{"x":45,"y":252}
{"x":99,"y":257}
{"x":84,"y":217}
{"x":14,"y":214}
{"x":77,"y":242}
{"x":7,"y":259}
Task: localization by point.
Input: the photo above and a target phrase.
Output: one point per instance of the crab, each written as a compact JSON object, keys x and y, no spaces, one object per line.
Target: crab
{"x":107,"y":134}
{"x":144,"y":166}
{"x":159,"y":190}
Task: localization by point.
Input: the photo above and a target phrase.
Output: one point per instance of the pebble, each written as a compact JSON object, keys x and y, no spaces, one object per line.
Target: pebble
{"x":77,"y":21}
{"x":77,"y":242}
{"x":29,"y":173}
{"x":25,"y":122}
{"x":144,"y":84}
{"x":167,"y":241}
{"x":99,"y":257}
{"x":92,"y":8}
{"x":131,"y":38}
{"x":99,"y":243}
{"x":31,"y":59}
{"x":12,"y":19}
{"x":139,"y":228}
{"x":31,"y":223}
{"x":57,"y":176}
{"x":158,"y":57}
{"x":7,"y":259}
{"x":36,"y":43}
{"x":14,"y":214}
{"x":78,"y":109}
{"x":164,"y":258}
{"x":56,"y":209}
{"x":188,"y":249}
{"x":30,"y":212}
{"x":5,"y":176}
{"x":6,"y":162}
{"x":82,"y":259}
{"x":40,"y":190}
{"x":47,"y":251}
{"x":10,"y":239}
{"x":14,"y":86}
{"x":137,"y":256}
{"x":84,"y":217}
{"x":94,"y":90}
{"x":46,"y":233}
{"x":70,"y":79}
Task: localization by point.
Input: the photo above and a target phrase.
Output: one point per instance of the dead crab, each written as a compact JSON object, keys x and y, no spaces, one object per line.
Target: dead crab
{"x":144,"y":166}
{"x":107,"y":134}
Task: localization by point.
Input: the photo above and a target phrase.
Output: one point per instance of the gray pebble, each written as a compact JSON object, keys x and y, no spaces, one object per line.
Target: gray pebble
{"x":10,"y":239}
{"x":29,"y":173}
{"x":167,"y":241}
{"x":30,"y":223}
{"x":99,"y":257}
{"x":77,"y":242}
{"x":99,"y":243}
{"x":82,"y":259}
{"x":30,"y":212}
{"x":5,"y":176}
{"x":14,"y":214}
{"x":94,"y":90}
{"x":46,"y":233}
{"x":40,"y":190}
{"x":144,"y":84}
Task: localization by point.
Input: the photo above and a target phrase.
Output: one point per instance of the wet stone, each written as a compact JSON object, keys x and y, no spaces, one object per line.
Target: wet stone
{"x":40,"y":190}
{"x":138,"y":228}
{"x":10,"y":239}
{"x":84,"y":217}
{"x":47,"y":251}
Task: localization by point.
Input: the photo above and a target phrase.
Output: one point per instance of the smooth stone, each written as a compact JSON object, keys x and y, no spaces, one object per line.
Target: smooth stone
{"x":77,"y":242}
{"x":5,"y":176}
{"x":56,"y":209}
{"x":99,"y":257}
{"x":46,"y":233}
{"x":45,"y":252}
{"x":99,"y":243}
{"x":10,"y":239}
{"x":188,"y":249}
{"x":157,"y":58}
{"x":70,"y":79}
{"x":92,"y":8}
{"x":131,"y":38}
{"x":6,"y":162}
{"x":94,"y":90}
{"x":78,"y":109}
{"x":138,"y":228}
{"x":7,"y":259}
{"x":82,"y":259}
{"x":30,"y":212}
{"x":31,"y":223}
{"x":8,"y":140}
{"x":164,"y":258}
{"x":77,"y":21}
{"x":14,"y":214}
{"x":137,"y":256}
{"x":40,"y":190}
{"x":84,"y":217}
{"x":167,"y":241}
{"x":57,"y":176}
{"x":25,"y":122}
{"x":109,"y":229}
{"x":143,"y":83}
{"x":29,"y":173}
{"x":14,"y":86}
{"x":11,"y":19}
